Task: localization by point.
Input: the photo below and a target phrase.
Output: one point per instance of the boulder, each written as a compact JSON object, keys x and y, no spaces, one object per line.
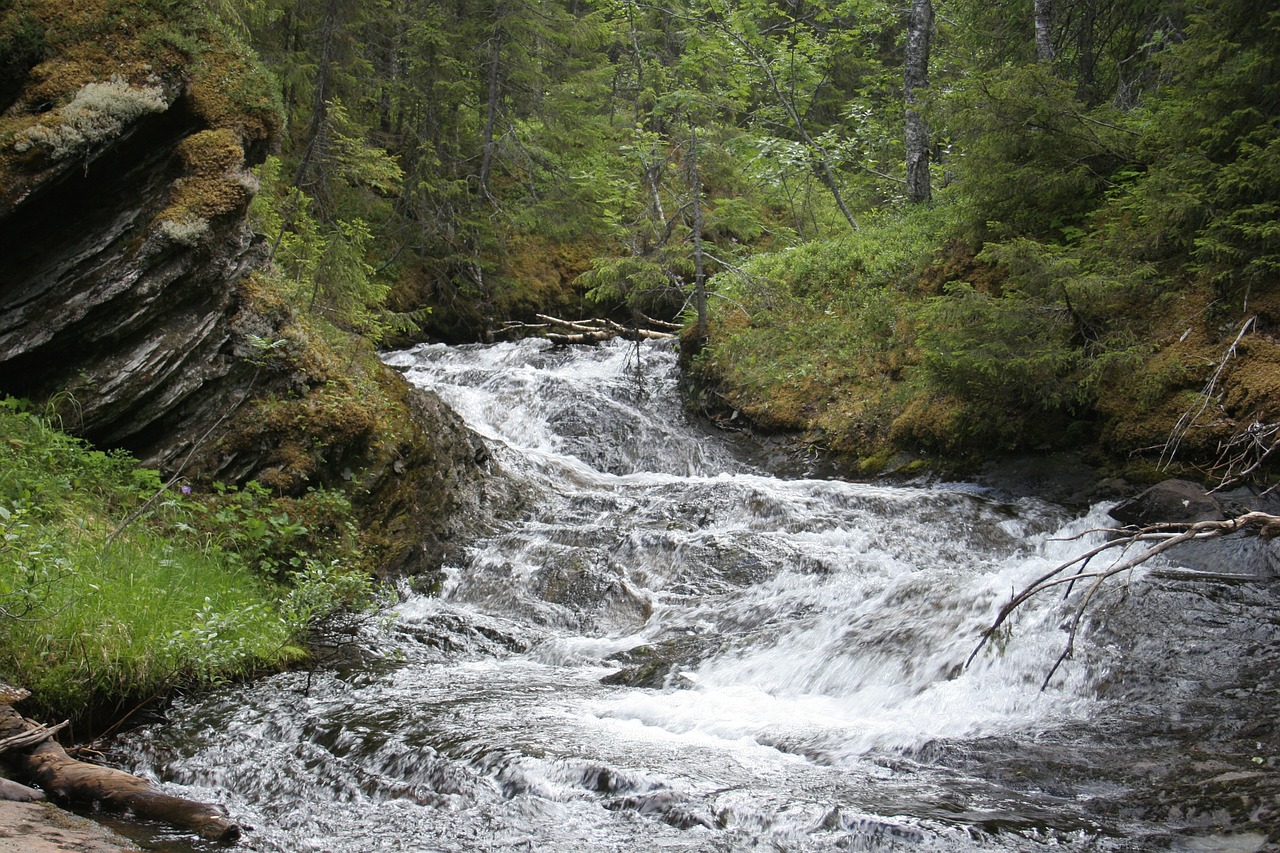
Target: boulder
{"x":1243,"y":555}
{"x":1169,"y":502}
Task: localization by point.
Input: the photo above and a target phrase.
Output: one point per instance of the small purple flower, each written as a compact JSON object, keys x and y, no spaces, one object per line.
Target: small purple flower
{"x":186,"y":490}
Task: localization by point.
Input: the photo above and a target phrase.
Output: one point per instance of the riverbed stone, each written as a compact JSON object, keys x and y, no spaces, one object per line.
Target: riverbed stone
{"x":1244,"y":554}
{"x":654,"y":665}
{"x":1169,"y":502}
{"x":43,"y":828}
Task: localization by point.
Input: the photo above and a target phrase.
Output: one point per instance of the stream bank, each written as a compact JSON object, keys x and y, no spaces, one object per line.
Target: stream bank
{"x":44,"y":828}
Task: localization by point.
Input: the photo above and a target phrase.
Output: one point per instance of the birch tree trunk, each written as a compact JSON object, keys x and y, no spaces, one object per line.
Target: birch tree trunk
{"x":916,"y":77}
{"x":1044,"y":30}
{"x":699,"y":263}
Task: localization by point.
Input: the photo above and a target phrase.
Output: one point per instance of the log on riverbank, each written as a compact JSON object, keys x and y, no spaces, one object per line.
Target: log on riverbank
{"x":593,"y":331}
{"x":64,"y":778}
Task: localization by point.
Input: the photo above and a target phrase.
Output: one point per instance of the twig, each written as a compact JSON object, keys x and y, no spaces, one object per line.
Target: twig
{"x":1183,"y":426}
{"x":31,"y":737}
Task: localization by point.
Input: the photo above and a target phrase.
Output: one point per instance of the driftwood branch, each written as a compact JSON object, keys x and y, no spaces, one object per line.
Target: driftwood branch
{"x":1188,"y":419}
{"x":64,"y":778}
{"x":654,"y":323}
{"x":31,"y":736}
{"x":1151,"y":541}
{"x":1258,"y":441}
{"x":591,"y":331}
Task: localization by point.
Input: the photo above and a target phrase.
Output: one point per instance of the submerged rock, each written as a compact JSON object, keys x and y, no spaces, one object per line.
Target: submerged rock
{"x":657,"y":665}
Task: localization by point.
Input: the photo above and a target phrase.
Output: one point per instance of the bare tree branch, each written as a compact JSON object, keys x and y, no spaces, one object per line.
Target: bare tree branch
{"x":1156,"y":539}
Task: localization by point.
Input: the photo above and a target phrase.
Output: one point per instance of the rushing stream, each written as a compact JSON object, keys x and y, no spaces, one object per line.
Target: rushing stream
{"x":784,"y":658}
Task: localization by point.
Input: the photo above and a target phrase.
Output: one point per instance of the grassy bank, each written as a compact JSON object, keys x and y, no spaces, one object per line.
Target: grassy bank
{"x":114,"y":589}
{"x":913,"y":343}
{"x":1086,"y":276}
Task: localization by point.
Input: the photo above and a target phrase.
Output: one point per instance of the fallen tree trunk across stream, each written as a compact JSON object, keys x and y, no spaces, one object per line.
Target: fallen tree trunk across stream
{"x":64,"y":778}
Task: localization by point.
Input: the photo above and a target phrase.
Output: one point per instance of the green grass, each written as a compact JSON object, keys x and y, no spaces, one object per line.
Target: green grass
{"x":113,"y":590}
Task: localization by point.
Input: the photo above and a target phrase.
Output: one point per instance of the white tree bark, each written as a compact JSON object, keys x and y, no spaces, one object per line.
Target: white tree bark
{"x":1044,"y":30}
{"x":916,"y":78}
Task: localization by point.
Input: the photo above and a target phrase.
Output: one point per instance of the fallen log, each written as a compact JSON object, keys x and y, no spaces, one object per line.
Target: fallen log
{"x":655,"y":323}
{"x":573,"y":325}
{"x":31,"y":736}
{"x":580,"y":338}
{"x":591,"y":331}
{"x":64,"y":778}
{"x":638,"y":332}
{"x":599,"y":329}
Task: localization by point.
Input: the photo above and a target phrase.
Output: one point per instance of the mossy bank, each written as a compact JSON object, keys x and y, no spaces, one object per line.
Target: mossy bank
{"x":1091,"y":275}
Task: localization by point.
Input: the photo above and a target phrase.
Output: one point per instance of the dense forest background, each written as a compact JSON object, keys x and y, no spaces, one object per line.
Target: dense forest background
{"x":957,"y":228}
{"x":924,"y":234}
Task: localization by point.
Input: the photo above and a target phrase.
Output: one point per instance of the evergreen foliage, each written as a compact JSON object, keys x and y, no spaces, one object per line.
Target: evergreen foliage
{"x":1086,"y":203}
{"x":447,"y":168}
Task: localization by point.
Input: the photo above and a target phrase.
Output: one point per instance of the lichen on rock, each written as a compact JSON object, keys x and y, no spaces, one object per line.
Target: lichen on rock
{"x":97,"y":114}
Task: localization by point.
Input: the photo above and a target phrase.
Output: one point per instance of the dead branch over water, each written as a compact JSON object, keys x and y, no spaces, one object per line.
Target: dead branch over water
{"x":1151,"y":541}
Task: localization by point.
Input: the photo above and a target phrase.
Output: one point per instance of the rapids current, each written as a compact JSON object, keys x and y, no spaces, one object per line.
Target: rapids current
{"x":671,"y":649}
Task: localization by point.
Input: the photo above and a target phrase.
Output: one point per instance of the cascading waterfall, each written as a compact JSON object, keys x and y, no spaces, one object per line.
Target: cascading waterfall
{"x":784,"y":658}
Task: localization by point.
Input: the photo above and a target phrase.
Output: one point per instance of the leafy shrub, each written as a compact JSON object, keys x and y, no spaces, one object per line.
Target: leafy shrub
{"x":277,"y":535}
{"x":1033,"y":159}
{"x":1009,"y":351}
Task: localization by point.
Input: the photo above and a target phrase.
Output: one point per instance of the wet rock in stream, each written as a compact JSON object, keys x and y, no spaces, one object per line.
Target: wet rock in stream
{"x":658,"y":665}
{"x":1195,"y":750}
{"x":668,"y":806}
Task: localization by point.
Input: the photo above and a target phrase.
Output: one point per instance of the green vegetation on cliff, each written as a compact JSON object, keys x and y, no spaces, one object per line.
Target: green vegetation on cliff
{"x":114,"y":586}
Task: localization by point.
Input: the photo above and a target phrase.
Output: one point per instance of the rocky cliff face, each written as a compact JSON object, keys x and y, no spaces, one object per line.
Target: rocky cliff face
{"x":126,"y":299}
{"x":105,"y":309}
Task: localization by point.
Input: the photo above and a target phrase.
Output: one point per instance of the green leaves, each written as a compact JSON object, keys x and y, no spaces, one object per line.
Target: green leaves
{"x":1032,"y":158}
{"x":95,"y":612}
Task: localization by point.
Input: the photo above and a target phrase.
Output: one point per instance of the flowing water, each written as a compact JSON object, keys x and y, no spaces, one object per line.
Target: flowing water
{"x":670,"y":649}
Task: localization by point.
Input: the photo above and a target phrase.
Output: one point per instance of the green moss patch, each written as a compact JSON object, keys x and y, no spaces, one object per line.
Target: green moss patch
{"x":101,"y":65}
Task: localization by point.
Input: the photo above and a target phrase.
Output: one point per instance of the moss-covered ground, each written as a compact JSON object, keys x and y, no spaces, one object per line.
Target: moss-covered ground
{"x":899,"y":339}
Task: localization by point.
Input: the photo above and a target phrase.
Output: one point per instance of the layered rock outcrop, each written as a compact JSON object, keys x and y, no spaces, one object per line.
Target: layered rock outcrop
{"x":127,"y":304}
